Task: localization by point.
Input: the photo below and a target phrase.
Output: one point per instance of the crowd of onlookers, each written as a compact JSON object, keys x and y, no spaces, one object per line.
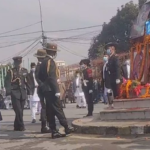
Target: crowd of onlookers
{"x":67,"y":95}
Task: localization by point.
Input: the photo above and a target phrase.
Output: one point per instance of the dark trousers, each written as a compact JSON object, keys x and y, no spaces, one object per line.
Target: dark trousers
{"x":54,"y":107}
{"x":43,"y":110}
{"x":114,"y":88}
{"x":63,"y":103}
{"x":18,"y":106}
{"x":89,"y":100}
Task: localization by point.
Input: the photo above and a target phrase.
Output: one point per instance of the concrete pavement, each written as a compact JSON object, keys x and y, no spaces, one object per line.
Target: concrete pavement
{"x":32,"y":139}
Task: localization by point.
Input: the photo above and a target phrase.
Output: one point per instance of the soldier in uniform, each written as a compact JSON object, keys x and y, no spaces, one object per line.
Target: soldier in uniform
{"x":17,"y":87}
{"x":40,"y":55}
{"x":49,"y":75}
{"x":113,"y":68}
{"x":87,"y":84}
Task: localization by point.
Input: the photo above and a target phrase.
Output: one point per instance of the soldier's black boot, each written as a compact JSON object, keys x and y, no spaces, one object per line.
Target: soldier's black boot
{"x":69,"y":130}
{"x":44,"y":128}
{"x":110,"y":100}
{"x":56,"y":134}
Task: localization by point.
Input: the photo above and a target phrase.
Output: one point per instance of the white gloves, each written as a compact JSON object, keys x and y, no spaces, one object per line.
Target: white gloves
{"x":109,"y":91}
{"x":57,"y":94}
{"x":58,"y":80}
{"x":117,"y":81}
{"x":90,"y":91}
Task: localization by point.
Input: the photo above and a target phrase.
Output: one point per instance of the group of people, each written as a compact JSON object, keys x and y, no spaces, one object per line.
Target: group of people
{"x":44,"y":88}
{"x":83,"y":87}
{"x":41,"y":84}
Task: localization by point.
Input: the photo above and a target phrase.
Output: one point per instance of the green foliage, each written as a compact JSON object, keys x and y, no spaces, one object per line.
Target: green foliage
{"x":118,"y":30}
{"x":141,"y":2}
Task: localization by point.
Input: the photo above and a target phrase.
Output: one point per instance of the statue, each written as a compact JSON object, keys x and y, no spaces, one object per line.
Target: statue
{"x":138,"y":84}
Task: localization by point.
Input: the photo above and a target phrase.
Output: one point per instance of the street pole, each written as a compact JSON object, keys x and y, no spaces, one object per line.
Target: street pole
{"x":2,"y":75}
{"x":44,"y":38}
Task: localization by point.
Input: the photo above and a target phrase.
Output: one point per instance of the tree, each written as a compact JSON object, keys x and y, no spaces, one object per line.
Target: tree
{"x":141,"y":2}
{"x":118,"y":30}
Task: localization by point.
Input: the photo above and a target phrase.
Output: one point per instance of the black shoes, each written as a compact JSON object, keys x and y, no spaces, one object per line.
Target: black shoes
{"x":89,"y":115}
{"x":45,"y":130}
{"x":33,"y":121}
{"x":69,"y":130}
{"x":19,"y":129}
{"x":56,"y":135}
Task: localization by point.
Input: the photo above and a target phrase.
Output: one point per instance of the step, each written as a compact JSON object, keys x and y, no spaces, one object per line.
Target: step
{"x":97,"y":127}
{"x":132,"y":103}
{"x":125,"y":114}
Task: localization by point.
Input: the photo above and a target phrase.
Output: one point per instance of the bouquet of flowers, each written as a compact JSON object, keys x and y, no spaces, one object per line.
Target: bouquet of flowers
{"x":136,"y":87}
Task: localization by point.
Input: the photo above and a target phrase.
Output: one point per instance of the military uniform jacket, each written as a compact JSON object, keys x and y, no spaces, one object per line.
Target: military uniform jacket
{"x":16,"y":83}
{"x":113,"y":68}
{"x":87,"y":80}
{"x":49,"y":75}
{"x":37,"y":74}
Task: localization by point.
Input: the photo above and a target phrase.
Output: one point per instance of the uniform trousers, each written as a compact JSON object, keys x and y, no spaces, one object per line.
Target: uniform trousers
{"x":89,"y":100}
{"x":54,"y":108}
{"x":43,"y":110}
{"x":18,"y":107}
{"x":114,"y":88}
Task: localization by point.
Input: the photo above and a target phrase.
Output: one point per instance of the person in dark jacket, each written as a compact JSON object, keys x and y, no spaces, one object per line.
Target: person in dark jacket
{"x":40,"y":55}
{"x":35,"y":105}
{"x":106,"y":82}
{"x":17,"y":87}
{"x":113,"y":68}
{"x":49,"y":75}
{"x":87,"y":84}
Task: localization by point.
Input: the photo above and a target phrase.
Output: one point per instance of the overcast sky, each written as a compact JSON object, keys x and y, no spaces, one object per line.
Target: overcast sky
{"x":57,"y":14}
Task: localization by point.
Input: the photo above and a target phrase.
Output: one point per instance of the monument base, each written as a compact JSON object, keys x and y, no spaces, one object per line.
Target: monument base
{"x":95,"y":126}
{"x":125,"y":114}
{"x":132,"y":103}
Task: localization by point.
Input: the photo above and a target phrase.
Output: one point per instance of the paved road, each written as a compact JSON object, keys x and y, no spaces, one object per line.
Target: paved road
{"x":33,"y":140}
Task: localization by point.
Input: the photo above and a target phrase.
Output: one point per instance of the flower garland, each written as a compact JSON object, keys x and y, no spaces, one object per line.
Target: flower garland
{"x":147,"y":86}
{"x":129,"y":82}
{"x":132,"y":86}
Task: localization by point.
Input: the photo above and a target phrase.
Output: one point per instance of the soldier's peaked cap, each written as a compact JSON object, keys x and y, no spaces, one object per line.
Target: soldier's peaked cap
{"x":17,"y":58}
{"x":41,"y":53}
{"x":85,"y":61}
{"x":51,"y":47}
{"x":115,"y":44}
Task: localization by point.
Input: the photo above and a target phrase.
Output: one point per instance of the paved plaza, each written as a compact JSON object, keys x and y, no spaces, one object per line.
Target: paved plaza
{"x":32,"y":139}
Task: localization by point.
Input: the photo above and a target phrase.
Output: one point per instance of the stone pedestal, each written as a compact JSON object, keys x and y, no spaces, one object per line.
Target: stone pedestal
{"x":132,"y":103}
{"x":128,"y":109}
{"x":125,"y":114}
